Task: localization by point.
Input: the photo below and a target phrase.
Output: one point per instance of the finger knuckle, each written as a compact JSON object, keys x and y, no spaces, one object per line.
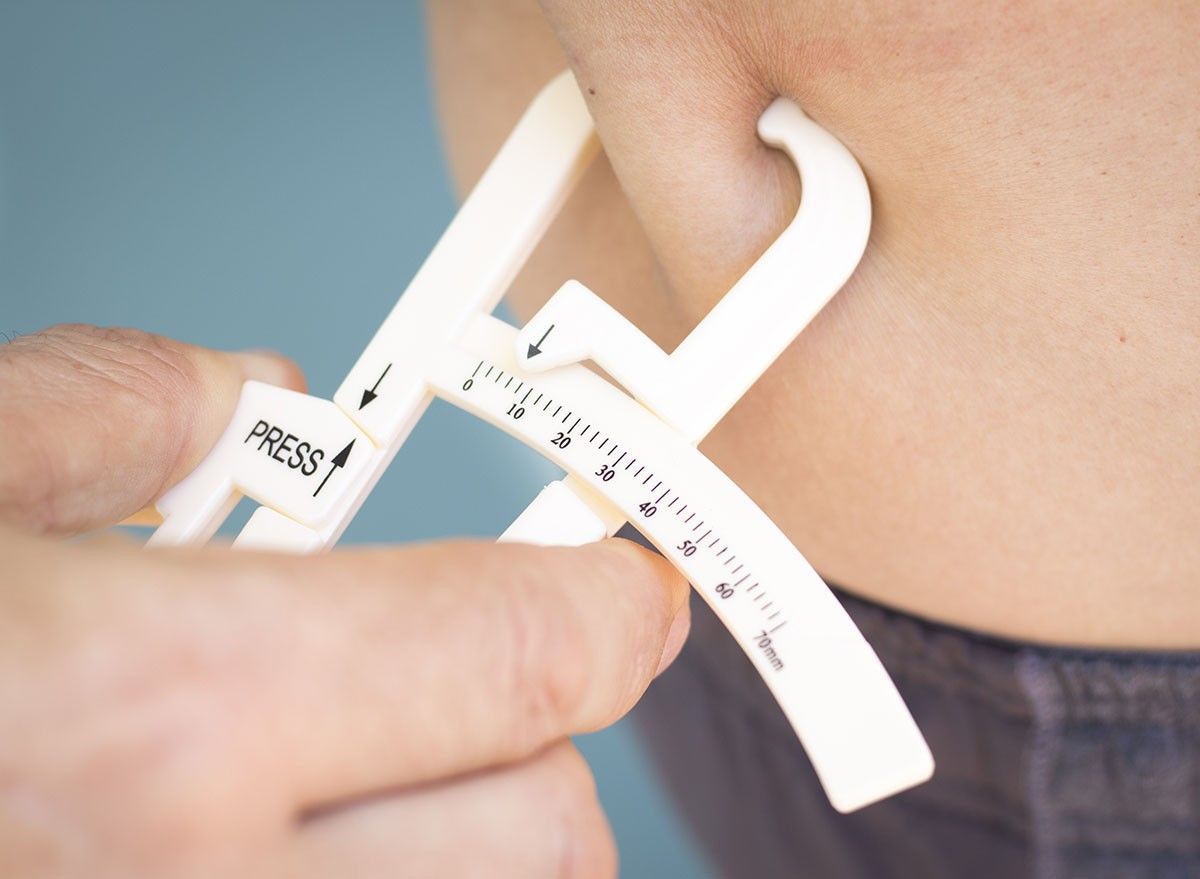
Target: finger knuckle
{"x":159,"y":372}
{"x":569,"y":662}
{"x":138,"y":359}
{"x":114,"y":381}
{"x":153,"y":380}
{"x":544,"y":670}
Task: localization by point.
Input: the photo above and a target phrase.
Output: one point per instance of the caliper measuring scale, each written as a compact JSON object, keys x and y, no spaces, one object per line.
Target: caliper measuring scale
{"x":628,"y":446}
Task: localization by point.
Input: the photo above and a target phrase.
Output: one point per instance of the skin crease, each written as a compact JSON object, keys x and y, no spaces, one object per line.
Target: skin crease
{"x":996,"y":423}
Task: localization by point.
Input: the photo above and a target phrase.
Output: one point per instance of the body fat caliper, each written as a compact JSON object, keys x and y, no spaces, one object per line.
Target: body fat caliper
{"x":628,"y":445}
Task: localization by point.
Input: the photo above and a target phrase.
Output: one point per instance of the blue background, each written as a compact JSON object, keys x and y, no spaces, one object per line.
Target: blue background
{"x":247,"y":175}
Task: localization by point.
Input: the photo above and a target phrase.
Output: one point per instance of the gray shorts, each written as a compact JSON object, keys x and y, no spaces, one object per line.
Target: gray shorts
{"x":1050,"y":762}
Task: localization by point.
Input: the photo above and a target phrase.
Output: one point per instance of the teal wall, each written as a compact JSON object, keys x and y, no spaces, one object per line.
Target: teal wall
{"x":262,"y":174}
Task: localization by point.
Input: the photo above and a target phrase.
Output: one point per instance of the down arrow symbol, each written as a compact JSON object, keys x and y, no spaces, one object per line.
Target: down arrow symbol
{"x":535,"y":350}
{"x":369,"y":393}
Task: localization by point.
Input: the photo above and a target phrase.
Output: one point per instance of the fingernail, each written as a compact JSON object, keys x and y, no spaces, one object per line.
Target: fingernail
{"x":268,"y":367}
{"x":676,"y":636}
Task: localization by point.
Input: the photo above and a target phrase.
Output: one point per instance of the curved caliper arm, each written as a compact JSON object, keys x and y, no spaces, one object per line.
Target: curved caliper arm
{"x":859,"y":734}
{"x":692,"y":388}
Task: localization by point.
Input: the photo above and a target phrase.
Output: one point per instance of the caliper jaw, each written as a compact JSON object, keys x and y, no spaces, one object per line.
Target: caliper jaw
{"x":696,"y":384}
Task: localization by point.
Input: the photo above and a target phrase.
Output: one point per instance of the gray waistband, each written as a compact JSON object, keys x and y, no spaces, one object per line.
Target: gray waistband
{"x":1051,"y":762}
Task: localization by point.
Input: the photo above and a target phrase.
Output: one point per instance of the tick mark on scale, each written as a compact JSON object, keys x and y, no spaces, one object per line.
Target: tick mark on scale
{"x":573,"y":426}
{"x":489,"y":372}
{"x":477,"y":368}
{"x":639,"y":473}
{"x":777,"y":628}
{"x":663,"y":495}
{"x":618,"y":461}
{"x":738,"y":568}
{"x":631,"y":463}
{"x":526,"y":397}
{"x":743,"y":580}
{"x":509,"y":382}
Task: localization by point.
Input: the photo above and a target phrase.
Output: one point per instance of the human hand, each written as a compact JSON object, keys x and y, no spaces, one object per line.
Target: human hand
{"x":399,"y":712}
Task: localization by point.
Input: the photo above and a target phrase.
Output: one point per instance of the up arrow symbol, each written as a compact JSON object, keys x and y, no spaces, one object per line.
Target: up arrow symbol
{"x":339,"y":461}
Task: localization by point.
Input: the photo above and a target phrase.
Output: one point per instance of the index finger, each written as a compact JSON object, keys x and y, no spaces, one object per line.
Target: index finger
{"x":98,"y":422}
{"x":377,"y":668}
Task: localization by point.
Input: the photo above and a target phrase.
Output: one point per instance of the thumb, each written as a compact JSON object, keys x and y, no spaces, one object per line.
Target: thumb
{"x":96,"y":423}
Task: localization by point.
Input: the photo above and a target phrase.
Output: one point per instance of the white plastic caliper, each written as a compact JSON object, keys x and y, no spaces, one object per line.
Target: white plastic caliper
{"x":629,"y":448}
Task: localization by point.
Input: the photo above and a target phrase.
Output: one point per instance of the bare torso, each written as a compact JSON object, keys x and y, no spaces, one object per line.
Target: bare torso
{"x":997,"y":422}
